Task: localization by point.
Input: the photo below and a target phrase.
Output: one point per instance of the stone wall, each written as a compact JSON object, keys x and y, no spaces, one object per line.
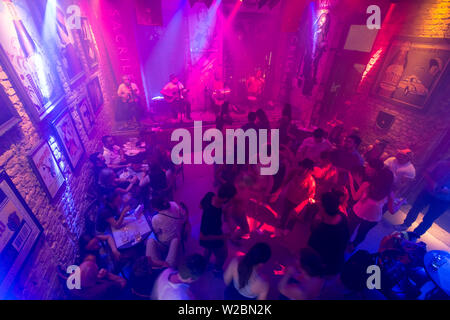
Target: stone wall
{"x":419,"y":130}
{"x":61,"y":219}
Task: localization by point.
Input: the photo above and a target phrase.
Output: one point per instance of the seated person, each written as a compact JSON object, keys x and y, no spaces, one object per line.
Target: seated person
{"x":175,"y":284}
{"x":95,"y":246}
{"x":110,"y":212}
{"x":113,"y":154}
{"x":98,"y":161}
{"x":98,"y":284}
{"x":243,"y":278}
{"x":168,"y":225}
{"x":307,"y":277}
{"x":108,"y":182}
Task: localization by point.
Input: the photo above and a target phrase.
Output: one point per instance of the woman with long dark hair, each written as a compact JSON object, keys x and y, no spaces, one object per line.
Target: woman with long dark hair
{"x":370,"y":199}
{"x":242,"y":275}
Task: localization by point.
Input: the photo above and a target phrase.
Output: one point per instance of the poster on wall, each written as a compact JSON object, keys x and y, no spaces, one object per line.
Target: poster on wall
{"x":70,"y":55}
{"x":95,"y":94}
{"x":19,"y":232}
{"x":8,"y":116}
{"x":47,"y":170}
{"x":87,"y":119}
{"x":88,"y":43}
{"x":27,"y":59}
{"x":69,"y":139}
{"x":412,"y":69}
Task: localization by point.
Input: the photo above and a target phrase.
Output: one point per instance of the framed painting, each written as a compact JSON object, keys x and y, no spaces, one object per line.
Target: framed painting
{"x":87,"y":119}
{"x":95,"y":94}
{"x":9,"y":116}
{"x":47,"y":170}
{"x":88,"y":43}
{"x":28,"y":59}
{"x":19,"y":233}
{"x":69,"y":139}
{"x":412,"y":69}
{"x":70,"y":54}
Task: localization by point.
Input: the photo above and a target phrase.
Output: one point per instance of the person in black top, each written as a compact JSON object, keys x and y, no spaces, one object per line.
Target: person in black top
{"x":329,"y":237}
{"x":251,"y":122}
{"x":98,"y":162}
{"x":110,"y":214}
{"x":158,"y":181}
{"x":211,"y":236}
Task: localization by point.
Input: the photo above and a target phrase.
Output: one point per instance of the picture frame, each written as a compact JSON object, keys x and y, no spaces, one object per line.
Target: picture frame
{"x":70,"y":53}
{"x":412,"y":70}
{"x":29,"y":61}
{"x":69,"y":139}
{"x":86,"y":116}
{"x":88,"y":43}
{"x":19,"y":233}
{"x":61,"y":37}
{"x":95,"y":94}
{"x":9,"y":116}
{"x":46,"y":168}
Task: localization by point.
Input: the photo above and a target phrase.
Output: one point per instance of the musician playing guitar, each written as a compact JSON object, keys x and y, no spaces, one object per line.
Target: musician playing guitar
{"x":255,"y":86}
{"x":175,"y":95}
{"x":129,"y":95}
{"x":219,"y":94}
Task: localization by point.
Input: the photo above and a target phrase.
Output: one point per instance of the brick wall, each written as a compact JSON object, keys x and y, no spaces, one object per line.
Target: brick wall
{"x":62,"y":220}
{"x":418,"y":129}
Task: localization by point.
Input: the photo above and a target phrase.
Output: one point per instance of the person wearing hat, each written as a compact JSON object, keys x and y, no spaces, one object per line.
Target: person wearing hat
{"x":402,"y":168}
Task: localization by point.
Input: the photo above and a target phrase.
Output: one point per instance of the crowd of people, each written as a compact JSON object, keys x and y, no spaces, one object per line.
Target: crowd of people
{"x":329,"y":186}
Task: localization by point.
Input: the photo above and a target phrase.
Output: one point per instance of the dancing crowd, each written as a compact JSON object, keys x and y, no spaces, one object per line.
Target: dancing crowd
{"x":324,"y":183}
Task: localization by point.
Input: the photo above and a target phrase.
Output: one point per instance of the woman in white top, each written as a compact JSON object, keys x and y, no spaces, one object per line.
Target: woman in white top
{"x":168,"y":227}
{"x":371,"y":197}
{"x":242,"y":275}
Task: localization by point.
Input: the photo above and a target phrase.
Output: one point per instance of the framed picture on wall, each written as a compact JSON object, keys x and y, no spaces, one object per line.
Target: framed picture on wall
{"x":85,"y":113}
{"x":8,"y":115}
{"x":69,"y":139}
{"x":61,"y":36}
{"x":46,"y":169}
{"x":70,"y":54}
{"x":28,"y":59}
{"x":88,"y":43}
{"x":95,"y":94}
{"x":412,"y":69}
{"x":19,"y":233}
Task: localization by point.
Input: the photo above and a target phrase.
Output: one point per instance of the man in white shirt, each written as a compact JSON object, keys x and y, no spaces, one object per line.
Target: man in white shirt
{"x":174,"y":93}
{"x":402,"y":168}
{"x":312,"y":147}
{"x":175,"y":285}
{"x":113,"y":154}
{"x":129,"y":94}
